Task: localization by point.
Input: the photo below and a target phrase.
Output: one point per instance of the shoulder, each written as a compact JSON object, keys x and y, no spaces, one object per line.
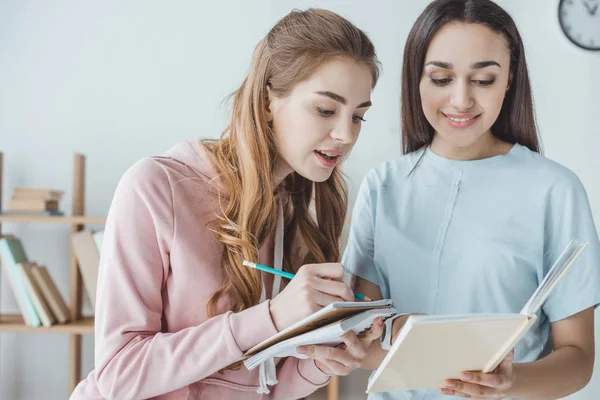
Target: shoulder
{"x":187,"y":165}
{"x":551,"y":174}
{"x":392,"y":172}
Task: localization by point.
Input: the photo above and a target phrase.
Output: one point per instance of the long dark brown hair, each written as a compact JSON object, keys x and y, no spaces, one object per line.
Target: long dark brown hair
{"x":516,"y":121}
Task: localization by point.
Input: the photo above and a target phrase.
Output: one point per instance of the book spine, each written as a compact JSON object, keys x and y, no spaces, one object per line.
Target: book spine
{"x":48,"y":294}
{"x":509,"y":345}
{"x":21,"y":291}
{"x":46,"y":317}
{"x":20,"y":301}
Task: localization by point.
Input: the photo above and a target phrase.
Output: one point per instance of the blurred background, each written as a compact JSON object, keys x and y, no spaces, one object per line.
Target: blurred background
{"x":121,"y":80}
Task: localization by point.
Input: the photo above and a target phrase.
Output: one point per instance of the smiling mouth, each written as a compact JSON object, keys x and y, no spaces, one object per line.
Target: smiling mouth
{"x":461,"y":119}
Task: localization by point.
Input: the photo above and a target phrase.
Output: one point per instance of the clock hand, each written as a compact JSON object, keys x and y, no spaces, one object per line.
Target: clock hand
{"x":589,"y":8}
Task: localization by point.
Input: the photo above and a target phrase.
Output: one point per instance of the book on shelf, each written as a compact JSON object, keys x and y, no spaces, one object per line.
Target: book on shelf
{"x":29,"y":213}
{"x":98,"y":239}
{"x":50,"y":293}
{"x":19,"y":204}
{"x":12,"y":254}
{"x":322,"y":327}
{"x":33,"y":193}
{"x":31,"y":200}
{"x":88,"y":260}
{"x":36,"y":293}
{"x":432,"y":348}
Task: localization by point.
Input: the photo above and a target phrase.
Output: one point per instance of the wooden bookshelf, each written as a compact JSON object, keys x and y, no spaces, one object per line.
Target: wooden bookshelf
{"x":78,"y":324}
{"x":15,"y":323}
{"x":11,"y":218}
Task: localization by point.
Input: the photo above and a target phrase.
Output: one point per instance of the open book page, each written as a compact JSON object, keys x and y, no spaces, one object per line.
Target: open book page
{"x":567,"y":258}
{"x":325,"y":316}
{"x":326,"y":335}
{"x":432,"y":319}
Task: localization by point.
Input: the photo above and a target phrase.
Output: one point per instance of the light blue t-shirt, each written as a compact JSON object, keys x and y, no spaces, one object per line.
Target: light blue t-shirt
{"x":456,"y":237}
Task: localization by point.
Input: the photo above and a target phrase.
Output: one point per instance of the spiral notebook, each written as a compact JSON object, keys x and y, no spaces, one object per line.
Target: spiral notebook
{"x":323,"y":327}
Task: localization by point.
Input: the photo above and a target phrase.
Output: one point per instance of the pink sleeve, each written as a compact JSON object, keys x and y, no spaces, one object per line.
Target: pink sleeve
{"x":298,"y":378}
{"x":133,"y":358}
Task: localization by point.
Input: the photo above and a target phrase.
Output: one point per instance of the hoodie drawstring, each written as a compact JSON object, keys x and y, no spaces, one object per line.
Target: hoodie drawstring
{"x":267,"y":374}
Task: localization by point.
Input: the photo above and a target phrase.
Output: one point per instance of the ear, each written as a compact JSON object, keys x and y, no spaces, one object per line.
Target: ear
{"x":269,"y":101}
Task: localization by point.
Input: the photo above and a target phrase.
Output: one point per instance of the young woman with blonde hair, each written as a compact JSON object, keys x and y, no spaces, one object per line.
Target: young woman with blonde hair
{"x":176,"y":309}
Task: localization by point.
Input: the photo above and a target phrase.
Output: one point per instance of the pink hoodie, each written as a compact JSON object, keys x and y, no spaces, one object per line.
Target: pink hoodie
{"x":159,"y":267}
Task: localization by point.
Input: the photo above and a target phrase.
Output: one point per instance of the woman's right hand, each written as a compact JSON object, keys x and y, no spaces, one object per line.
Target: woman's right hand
{"x":314,"y":287}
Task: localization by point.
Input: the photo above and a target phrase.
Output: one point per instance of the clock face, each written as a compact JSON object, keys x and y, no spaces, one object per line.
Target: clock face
{"x":580,"y":21}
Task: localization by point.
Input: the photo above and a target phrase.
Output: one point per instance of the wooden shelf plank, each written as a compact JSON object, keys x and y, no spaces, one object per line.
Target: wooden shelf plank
{"x":15,"y":323}
{"x":8,"y":218}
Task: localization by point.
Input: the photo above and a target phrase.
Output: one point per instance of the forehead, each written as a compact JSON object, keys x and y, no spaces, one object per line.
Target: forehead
{"x":340,"y":75}
{"x":462,"y":44}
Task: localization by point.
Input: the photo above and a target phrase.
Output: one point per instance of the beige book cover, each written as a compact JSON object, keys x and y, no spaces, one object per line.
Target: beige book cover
{"x":36,"y":296}
{"x":27,"y":204}
{"x":48,"y":194}
{"x":428,"y":350}
{"x":88,"y":259}
{"x":432,"y":348}
{"x":51,"y":293}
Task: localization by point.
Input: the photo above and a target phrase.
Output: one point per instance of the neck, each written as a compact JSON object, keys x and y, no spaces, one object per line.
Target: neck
{"x":281,"y":171}
{"x":486,"y":146}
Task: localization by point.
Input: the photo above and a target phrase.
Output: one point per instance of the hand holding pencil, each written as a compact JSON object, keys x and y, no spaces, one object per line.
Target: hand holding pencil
{"x":312,"y":288}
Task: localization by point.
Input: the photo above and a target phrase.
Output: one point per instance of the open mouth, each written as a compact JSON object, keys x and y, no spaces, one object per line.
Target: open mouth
{"x":326,"y":155}
{"x":328,"y":158}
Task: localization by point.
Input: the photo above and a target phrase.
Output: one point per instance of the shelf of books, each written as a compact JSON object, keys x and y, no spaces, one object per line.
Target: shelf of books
{"x":41,"y":304}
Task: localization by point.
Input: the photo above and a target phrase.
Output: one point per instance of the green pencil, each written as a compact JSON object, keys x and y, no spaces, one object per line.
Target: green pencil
{"x":287,"y":275}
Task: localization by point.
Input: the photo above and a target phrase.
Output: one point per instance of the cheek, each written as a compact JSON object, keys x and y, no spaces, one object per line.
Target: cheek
{"x":288,"y":127}
{"x":298,"y":133}
{"x":431,"y":100}
{"x":491,"y":101}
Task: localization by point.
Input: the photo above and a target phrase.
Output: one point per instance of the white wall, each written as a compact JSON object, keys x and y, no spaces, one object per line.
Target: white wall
{"x":121,"y":80}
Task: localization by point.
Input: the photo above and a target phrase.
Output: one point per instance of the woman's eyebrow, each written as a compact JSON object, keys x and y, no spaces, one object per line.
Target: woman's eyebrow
{"x":475,"y":65}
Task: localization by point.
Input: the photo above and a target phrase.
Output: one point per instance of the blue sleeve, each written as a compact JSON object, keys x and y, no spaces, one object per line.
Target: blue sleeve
{"x":358,"y":257}
{"x":568,"y":216}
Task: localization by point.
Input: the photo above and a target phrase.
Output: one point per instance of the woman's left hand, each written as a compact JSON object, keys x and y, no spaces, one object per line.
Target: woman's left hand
{"x":343,"y":359}
{"x":478,"y":385}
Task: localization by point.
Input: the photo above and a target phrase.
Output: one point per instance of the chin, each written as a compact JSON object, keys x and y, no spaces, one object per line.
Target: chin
{"x":460,"y":140}
{"x":316,"y":176}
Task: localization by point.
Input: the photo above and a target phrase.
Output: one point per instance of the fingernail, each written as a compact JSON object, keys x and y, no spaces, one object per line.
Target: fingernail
{"x":466,"y":376}
{"x":450,"y":384}
{"x":301,"y":350}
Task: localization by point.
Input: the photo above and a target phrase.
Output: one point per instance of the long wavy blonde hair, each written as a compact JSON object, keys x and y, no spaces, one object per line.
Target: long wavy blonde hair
{"x":245,"y":155}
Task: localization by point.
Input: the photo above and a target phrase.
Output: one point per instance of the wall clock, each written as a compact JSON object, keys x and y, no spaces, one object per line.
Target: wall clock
{"x":580,"y":22}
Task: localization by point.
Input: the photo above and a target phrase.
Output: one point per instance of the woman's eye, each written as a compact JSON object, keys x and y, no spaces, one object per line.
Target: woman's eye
{"x":358,"y":119}
{"x":440,"y":82}
{"x":325,"y":113}
{"x":484,"y":82}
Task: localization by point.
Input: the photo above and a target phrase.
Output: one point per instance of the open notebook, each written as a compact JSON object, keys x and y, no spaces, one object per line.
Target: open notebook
{"x":431,"y":349}
{"x":323,"y":327}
